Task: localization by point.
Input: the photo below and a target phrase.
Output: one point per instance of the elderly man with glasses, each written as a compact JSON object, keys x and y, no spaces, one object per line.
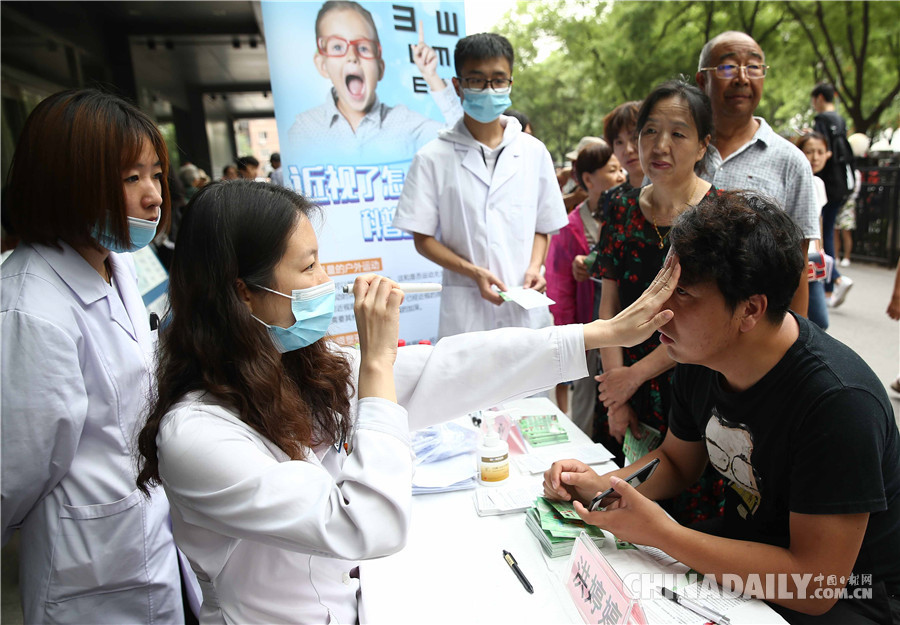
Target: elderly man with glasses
{"x":745,"y":152}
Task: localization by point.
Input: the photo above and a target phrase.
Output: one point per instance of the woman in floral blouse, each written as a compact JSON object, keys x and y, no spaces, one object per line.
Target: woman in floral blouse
{"x":674,"y":127}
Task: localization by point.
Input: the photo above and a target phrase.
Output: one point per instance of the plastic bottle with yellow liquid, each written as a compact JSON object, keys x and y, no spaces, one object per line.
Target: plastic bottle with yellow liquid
{"x":493,"y":458}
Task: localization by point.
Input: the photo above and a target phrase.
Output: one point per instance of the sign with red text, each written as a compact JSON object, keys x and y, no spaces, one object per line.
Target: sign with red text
{"x":598,"y":592}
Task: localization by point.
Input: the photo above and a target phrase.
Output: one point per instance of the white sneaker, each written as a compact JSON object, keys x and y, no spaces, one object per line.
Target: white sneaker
{"x":845,"y":262}
{"x":840,"y":292}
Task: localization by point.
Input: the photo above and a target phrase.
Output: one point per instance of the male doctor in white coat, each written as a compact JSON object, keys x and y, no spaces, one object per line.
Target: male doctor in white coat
{"x":482,"y":199}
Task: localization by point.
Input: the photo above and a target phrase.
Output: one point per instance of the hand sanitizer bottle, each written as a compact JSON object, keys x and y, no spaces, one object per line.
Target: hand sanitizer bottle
{"x":493,"y":457}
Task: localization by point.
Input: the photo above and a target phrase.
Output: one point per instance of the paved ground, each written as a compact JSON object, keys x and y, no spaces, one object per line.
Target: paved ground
{"x":861,"y":323}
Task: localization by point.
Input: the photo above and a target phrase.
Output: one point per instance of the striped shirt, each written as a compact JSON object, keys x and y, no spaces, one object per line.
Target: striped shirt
{"x":772,"y":166}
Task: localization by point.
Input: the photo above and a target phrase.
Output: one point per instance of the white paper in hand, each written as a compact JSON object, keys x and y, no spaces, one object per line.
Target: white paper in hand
{"x":526,"y":298}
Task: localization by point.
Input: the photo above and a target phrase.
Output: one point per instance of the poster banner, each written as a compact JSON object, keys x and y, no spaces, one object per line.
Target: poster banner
{"x":352,"y":109}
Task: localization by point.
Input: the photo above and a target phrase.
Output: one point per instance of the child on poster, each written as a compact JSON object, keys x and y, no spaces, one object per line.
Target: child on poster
{"x":353,"y":122}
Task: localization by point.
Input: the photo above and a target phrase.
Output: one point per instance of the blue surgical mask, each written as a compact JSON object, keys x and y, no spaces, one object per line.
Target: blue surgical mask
{"x":313,"y":309}
{"x":140,"y":231}
{"x":485,"y":106}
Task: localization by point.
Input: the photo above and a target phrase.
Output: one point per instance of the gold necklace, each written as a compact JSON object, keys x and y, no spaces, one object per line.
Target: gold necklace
{"x":662,"y":238}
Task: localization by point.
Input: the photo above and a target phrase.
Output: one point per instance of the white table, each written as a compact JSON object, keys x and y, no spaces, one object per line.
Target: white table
{"x":452,"y":569}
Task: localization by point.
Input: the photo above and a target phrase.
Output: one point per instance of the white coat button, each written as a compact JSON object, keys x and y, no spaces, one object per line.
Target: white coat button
{"x":346,"y":579}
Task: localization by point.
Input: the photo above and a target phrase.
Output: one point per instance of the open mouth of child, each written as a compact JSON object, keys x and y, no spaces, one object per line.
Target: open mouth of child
{"x":356,"y":86}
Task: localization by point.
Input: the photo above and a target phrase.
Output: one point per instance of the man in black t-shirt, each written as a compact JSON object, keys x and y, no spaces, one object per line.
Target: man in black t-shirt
{"x":796,"y":421}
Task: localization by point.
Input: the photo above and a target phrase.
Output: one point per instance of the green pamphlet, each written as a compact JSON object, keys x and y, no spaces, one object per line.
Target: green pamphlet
{"x":540,"y":430}
{"x":635,"y":448}
{"x":551,"y":524}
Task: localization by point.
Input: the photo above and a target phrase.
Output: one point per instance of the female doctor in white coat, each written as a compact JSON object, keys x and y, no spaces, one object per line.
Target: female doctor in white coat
{"x":285,"y":458}
{"x":86,"y":184}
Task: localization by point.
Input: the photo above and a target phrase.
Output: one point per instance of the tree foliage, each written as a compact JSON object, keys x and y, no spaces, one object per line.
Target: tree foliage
{"x":849,"y":46}
{"x":604,"y":53}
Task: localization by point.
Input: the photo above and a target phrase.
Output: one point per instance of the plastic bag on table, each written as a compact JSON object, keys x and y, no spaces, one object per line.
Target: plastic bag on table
{"x":443,"y":441}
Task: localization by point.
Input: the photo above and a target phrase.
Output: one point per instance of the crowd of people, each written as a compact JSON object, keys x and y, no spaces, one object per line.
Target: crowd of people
{"x":699,"y":159}
{"x":275,"y":460}
{"x":836,"y":185}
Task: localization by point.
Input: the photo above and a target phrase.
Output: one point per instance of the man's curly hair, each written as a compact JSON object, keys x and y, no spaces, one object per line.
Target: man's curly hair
{"x":744,"y":242}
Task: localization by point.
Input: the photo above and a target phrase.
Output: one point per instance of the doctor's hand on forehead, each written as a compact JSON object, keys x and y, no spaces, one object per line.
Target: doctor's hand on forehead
{"x":639,"y":321}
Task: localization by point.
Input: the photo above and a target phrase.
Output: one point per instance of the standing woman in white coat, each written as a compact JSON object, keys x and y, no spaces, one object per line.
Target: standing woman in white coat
{"x":286,"y":458}
{"x":87,"y":183}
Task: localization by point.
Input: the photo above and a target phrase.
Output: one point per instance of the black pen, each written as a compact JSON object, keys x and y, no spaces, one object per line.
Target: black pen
{"x":511,"y":561}
{"x":695,"y":607}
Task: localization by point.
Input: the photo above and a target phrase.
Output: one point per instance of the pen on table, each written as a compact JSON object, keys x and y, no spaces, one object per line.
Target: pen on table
{"x":407,"y":287}
{"x":511,"y":561}
{"x":695,"y":607}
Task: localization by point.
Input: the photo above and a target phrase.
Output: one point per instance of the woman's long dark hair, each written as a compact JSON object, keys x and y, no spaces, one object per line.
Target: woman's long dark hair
{"x":239,"y":230}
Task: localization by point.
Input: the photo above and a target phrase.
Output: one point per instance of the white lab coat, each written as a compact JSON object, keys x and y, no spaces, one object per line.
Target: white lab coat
{"x":488,"y":220}
{"x":274,"y":540}
{"x":76,"y":358}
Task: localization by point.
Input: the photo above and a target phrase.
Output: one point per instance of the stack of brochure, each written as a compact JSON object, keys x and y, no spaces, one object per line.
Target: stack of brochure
{"x":539,"y":460}
{"x":541,"y":430}
{"x":556,"y":526}
{"x":506,"y":499}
